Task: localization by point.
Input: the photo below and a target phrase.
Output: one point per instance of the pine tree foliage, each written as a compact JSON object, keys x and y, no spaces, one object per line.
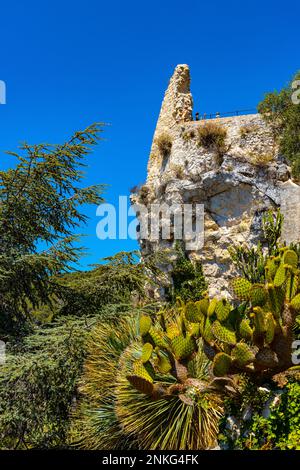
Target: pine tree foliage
{"x":282,"y":112}
{"x":40,"y":203}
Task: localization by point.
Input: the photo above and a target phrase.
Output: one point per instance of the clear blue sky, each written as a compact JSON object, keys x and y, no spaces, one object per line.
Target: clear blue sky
{"x":70,"y":63}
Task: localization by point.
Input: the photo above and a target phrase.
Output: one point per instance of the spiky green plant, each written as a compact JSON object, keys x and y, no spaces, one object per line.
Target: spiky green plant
{"x":149,"y":391}
{"x":95,"y":424}
{"x":255,"y":337}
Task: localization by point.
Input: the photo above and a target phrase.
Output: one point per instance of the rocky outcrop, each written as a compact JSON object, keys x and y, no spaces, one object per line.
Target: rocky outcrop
{"x":236,"y":185}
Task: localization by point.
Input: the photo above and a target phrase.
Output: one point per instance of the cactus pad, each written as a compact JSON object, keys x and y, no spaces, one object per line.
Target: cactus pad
{"x":280,"y":276}
{"x":258,"y":295}
{"x":203,"y":305}
{"x":163,"y":364}
{"x":212,"y":307}
{"x":144,"y":324}
{"x":270,"y":327}
{"x":266,"y":358}
{"x":183,"y":346}
{"x":259,"y":320}
{"x":245,"y":329}
{"x":223,"y":333}
{"x":206,"y":331}
{"x":242,"y":354}
{"x":221,"y":364}
{"x":146,"y":352}
{"x":241,"y":288}
{"x":172,"y":330}
{"x":142,"y":370}
{"x":223,"y":309}
{"x":192,"y":313}
{"x":295,"y":303}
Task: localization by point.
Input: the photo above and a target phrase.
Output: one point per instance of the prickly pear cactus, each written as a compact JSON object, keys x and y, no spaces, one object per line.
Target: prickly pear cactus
{"x":255,"y":337}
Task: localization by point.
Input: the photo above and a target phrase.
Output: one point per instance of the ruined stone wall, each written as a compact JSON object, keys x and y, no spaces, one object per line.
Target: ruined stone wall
{"x":249,"y":178}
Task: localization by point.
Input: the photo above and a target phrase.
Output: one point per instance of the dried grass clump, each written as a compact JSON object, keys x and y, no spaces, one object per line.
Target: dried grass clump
{"x":248,"y":129}
{"x":212,"y":136}
{"x":261,"y":159}
{"x":164,"y":143}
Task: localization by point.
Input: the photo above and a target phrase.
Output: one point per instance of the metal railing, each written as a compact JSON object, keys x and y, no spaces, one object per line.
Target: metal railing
{"x":204,"y":116}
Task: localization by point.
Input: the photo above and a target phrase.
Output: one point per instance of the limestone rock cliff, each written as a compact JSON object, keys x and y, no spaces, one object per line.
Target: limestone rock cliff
{"x":236,"y":185}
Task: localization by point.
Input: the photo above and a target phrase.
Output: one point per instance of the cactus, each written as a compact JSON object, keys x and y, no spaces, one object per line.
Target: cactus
{"x":241,"y":288}
{"x":192,"y":313}
{"x":245,"y":330}
{"x":222,"y":333}
{"x":258,"y":295}
{"x":242,"y":354}
{"x":222,"y":310}
{"x":182,"y":346}
{"x":221,"y":364}
{"x":266,"y":358}
{"x":257,"y":335}
{"x":146,"y":352}
{"x":144,"y":324}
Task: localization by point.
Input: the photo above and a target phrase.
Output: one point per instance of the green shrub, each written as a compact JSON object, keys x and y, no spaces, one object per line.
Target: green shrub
{"x":188,"y":281}
{"x":283,"y":116}
{"x":281,"y":430}
{"x":38,"y":386}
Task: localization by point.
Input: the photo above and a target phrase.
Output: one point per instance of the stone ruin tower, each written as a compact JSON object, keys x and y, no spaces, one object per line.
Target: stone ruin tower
{"x":235,"y":188}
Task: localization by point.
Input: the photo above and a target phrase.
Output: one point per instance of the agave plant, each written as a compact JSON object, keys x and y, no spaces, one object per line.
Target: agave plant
{"x":95,"y":424}
{"x":125,"y":409}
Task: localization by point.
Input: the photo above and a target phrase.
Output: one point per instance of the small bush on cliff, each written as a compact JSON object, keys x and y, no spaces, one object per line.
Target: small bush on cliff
{"x":248,"y":129}
{"x":164,"y":143}
{"x":188,"y":281}
{"x":212,"y":136}
{"x":282,"y":113}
